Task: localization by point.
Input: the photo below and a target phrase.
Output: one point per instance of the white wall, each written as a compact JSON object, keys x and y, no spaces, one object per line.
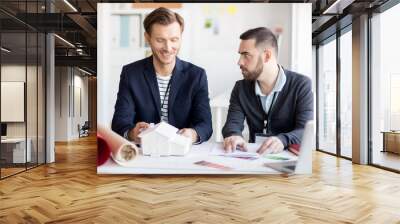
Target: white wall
{"x":61,"y":103}
{"x":17,"y":73}
{"x":218,"y":53}
{"x":301,"y":41}
{"x":14,"y":73}
{"x":68,"y":82}
{"x":214,"y":49}
{"x":80,"y":83}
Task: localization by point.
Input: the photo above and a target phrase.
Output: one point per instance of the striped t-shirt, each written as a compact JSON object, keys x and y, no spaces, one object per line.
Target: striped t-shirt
{"x":164,"y":95}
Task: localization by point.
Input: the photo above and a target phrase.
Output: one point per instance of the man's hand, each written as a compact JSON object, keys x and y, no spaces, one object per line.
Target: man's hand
{"x":230,"y":143}
{"x":271,"y":145}
{"x":190,"y":133}
{"x":133,"y":133}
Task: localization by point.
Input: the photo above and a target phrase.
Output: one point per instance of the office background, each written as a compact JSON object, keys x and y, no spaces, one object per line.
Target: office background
{"x":38,"y":108}
{"x":358,"y":81}
{"x":354,"y":67}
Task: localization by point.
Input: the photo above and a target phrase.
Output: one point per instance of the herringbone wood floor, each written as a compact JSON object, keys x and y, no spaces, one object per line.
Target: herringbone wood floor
{"x":70,"y":191}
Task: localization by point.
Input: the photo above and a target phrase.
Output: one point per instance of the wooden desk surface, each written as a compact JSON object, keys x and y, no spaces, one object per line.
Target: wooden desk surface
{"x":13,"y":140}
{"x":391,"y":132}
{"x":70,"y":191}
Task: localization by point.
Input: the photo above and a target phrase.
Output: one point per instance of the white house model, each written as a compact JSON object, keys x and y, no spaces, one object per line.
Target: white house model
{"x":163,"y":140}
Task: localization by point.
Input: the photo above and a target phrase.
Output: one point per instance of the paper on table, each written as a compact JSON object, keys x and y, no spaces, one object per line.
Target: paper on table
{"x":218,"y":150}
{"x":122,"y":151}
{"x":250,"y":153}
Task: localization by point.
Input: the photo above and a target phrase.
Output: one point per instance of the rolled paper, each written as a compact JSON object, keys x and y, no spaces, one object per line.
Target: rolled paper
{"x":103,"y":150}
{"x":121,"y":150}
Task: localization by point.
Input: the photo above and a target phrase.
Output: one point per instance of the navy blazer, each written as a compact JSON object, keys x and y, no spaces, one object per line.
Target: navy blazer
{"x":139,"y":98}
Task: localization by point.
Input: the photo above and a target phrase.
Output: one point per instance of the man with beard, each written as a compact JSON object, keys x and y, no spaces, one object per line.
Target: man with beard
{"x":162,"y":87}
{"x":276,"y":102}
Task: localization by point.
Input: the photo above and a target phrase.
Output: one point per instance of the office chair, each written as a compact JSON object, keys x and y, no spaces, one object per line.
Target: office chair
{"x":84,"y":130}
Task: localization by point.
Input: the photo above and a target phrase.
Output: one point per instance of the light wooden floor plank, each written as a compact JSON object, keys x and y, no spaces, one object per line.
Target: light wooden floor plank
{"x":70,"y":191}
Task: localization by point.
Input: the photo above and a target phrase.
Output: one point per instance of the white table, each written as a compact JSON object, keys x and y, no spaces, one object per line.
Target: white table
{"x":18,"y":149}
{"x":185,"y":164}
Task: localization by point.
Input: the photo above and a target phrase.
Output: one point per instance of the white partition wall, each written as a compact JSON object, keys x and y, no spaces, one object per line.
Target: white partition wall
{"x":71,"y":102}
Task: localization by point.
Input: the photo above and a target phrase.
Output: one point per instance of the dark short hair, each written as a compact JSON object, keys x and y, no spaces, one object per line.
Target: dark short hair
{"x":162,"y":16}
{"x":263,"y":36}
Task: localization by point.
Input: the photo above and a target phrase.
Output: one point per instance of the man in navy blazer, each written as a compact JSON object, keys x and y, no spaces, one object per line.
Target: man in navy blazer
{"x":163,"y":87}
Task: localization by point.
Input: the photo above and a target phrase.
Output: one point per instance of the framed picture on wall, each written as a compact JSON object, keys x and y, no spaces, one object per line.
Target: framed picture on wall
{"x":12,"y":101}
